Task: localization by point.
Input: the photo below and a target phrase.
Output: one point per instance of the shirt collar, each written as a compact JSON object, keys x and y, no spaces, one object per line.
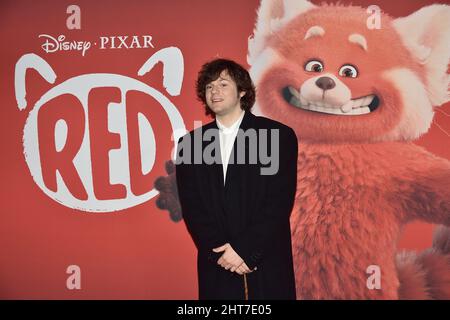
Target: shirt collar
{"x":233,"y":126}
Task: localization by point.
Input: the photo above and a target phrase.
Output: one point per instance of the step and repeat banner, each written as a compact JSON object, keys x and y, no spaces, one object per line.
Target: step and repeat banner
{"x":95,"y":95}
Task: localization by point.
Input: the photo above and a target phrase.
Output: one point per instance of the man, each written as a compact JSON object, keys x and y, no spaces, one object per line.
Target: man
{"x":238,"y":211}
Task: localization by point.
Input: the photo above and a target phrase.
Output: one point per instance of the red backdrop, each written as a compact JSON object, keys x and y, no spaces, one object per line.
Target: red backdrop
{"x":138,"y":252}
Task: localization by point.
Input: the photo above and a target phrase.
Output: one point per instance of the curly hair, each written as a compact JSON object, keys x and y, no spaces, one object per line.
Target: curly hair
{"x":211,"y":71}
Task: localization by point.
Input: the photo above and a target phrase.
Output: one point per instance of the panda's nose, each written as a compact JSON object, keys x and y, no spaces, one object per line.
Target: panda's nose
{"x":325,"y":83}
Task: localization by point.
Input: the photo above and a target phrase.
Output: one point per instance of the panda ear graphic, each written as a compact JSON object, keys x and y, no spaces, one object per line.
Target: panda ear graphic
{"x":25,"y":62}
{"x":273,"y":14}
{"x":173,"y":68}
{"x":426,"y":33}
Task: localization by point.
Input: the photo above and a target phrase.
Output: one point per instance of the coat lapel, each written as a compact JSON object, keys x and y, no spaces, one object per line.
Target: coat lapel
{"x":215,"y":169}
{"x":217,"y":189}
{"x":235,"y":170}
{"x":214,"y":176}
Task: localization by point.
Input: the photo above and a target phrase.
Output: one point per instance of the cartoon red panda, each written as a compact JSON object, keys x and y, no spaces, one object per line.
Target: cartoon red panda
{"x":357,"y":99}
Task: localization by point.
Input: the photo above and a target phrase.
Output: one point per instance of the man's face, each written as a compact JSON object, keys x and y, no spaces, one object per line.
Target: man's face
{"x":222,"y":95}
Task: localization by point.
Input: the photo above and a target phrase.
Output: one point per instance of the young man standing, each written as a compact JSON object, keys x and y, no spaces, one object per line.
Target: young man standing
{"x":236,"y":208}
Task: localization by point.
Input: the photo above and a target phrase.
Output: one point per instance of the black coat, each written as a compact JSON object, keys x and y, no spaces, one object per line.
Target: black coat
{"x":251,"y":212}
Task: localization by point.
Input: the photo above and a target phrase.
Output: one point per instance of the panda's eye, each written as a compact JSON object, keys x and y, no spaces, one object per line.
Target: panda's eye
{"x":314,"y":66}
{"x":349,"y":71}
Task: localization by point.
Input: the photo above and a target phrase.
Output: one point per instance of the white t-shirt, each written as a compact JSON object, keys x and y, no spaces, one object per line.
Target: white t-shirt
{"x":227,"y":135}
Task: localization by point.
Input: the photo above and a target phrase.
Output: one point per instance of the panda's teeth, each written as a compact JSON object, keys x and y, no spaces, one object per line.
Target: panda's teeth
{"x":294,"y":92}
{"x":353,"y":107}
{"x":347,"y":107}
{"x":368,"y":100}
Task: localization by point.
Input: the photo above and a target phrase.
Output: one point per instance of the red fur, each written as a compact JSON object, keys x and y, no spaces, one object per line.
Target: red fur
{"x":359,"y":183}
{"x":412,"y":277}
{"x":427,"y":275}
{"x":352,"y":201}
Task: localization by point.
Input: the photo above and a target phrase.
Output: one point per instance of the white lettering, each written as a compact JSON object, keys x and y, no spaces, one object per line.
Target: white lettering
{"x":52,"y":45}
{"x":74,"y":20}
{"x":74,"y":280}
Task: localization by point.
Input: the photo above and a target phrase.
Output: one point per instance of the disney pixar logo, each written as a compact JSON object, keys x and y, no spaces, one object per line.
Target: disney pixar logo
{"x":52,"y":44}
{"x":89,"y":142}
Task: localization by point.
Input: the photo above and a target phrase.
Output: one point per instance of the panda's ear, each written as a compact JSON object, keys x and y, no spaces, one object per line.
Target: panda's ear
{"x":426,"y":34}
{"x":173,"y":68}
{"x":30,"y":61}
{"x":272,"y":14}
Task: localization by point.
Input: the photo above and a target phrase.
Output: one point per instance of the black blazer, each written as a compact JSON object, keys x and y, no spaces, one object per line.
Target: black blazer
{"x":251,"y":212}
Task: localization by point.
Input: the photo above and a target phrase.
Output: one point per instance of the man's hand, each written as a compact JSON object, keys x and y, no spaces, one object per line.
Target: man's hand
{"x":229,"y":259}
{"x":243,"y":269}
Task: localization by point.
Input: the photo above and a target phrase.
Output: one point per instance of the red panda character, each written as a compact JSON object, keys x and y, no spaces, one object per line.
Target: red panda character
{"x":357,"y":97}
